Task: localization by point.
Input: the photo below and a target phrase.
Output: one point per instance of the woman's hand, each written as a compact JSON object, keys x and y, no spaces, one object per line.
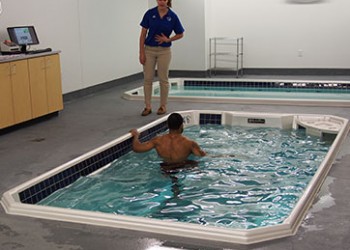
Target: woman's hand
{"x":162,"y":39}
{"x":142,"y":58}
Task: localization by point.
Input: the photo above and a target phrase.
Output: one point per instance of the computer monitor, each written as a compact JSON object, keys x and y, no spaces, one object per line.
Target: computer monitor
{"x":23,"y":36}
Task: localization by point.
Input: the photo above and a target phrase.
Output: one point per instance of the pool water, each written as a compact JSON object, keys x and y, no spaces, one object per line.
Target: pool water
{"x":256,"y":92}
{"x":258,"y":186}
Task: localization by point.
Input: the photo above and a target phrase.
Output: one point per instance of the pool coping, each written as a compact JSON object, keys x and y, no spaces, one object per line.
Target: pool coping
{"x":12,"y":205}
{"x":137,"y":94}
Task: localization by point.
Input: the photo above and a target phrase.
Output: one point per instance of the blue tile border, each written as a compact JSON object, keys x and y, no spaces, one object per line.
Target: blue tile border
{"x":60,"y":180}
{"x":41,"y":190}
{"x":152,"y":132}
{"x":329,"y":85}
{"x":210,"y":119}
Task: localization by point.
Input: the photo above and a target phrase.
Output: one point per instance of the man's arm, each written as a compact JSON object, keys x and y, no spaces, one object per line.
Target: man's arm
{"x":196,"y":150}
{"x":139,"y":147}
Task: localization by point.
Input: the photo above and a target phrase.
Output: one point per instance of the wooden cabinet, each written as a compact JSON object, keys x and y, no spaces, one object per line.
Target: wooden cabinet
{"x":6,"y":103}
{"x":20,"y":91}
{"x":15,"y":95}
{"x":45,"y":85}
{"x":54,"y":85}
{"x":29,"y":88}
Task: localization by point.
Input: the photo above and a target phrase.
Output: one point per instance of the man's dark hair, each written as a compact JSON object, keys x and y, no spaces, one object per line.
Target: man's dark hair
{"x":174,"y":121}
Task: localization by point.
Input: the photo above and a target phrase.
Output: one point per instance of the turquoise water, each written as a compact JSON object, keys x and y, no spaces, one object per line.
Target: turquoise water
{"x":257,"y":187}
{"x":261,"y":93}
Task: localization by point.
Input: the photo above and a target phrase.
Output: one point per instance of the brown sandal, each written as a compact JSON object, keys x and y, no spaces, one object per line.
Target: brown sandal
{"x":146,"y":112}
{"x":161,"y":110}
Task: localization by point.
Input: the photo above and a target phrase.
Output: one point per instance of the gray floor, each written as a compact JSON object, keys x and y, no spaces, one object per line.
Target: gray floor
{"x":94,"y":120}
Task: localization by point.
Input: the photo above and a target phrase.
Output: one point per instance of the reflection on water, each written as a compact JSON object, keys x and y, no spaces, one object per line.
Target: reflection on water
{"x":252,"y":177}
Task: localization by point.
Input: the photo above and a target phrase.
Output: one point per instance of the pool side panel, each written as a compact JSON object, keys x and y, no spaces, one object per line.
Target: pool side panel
{"x":46,"y":187}
{"x":60,"y":180}
{"x":306,"y":200}
{"x":344,"y":86}
{"x":186,"y":230}
{"x":268,"y":84}
{"x":11,"y":201}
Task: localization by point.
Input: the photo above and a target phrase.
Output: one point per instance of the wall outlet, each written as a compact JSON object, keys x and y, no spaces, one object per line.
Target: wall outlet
{"x":300,"y":53}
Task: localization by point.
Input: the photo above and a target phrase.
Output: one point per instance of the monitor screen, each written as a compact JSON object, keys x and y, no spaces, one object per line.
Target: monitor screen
{"x":23,"y":36}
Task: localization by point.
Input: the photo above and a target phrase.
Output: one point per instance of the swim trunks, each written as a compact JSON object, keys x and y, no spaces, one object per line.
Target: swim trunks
{"x":178,"y":165}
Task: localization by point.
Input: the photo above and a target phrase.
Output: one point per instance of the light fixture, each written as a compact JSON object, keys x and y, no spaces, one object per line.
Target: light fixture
{"x":162,"y":248}
{"x":305,"y":1}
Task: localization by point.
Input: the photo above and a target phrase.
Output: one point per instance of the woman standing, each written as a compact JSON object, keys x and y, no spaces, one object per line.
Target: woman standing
{"x":157,"y":25}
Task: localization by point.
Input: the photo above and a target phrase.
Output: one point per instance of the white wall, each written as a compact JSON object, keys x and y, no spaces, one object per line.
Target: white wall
{"x":57,"y":26}
{"x":109,"y":39}
{"x":277,"y":33}
{"x":98,"y":40}
{"x":189,"y":52}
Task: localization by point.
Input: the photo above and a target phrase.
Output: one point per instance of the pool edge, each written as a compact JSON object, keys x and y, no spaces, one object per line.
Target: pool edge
{"x":249,"y":236}
{"x":137,"y":95}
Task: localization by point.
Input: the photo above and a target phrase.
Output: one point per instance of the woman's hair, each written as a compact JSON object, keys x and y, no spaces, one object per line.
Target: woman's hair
{"x":169,"y":3}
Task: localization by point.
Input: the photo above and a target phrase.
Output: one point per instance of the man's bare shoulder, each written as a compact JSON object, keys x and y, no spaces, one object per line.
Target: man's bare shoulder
{"x":188,"y":139}
{"x":160,"y":139}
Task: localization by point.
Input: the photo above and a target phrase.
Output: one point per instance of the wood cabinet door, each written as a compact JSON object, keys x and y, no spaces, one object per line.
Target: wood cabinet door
{"x":53,"y":83}
{"x":29,"y":88}
{"x":21,"y":91}
{"x":38,"y":90}
{"x":6,"y":103}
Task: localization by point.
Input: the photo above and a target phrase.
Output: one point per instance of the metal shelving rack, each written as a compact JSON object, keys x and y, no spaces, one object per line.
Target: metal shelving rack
{"x":226,"y":54}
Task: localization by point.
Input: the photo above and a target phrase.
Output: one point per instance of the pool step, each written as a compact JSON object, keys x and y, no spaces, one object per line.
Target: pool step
{"x":321,"y":125}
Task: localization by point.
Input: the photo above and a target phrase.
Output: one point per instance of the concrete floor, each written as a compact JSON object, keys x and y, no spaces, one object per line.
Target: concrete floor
{"x":91,"y":121}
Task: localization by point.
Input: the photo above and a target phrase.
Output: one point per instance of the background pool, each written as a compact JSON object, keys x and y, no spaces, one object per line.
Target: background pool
{"x":261,"y":93}
{"x":257,"y":187}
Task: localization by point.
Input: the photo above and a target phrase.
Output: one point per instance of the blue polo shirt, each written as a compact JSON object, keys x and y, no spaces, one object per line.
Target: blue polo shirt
{"x":156,"y":26}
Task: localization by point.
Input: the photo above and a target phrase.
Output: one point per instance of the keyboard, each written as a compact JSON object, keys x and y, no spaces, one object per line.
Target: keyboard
{"x":37,"y":51}
{"x":10,"y":57}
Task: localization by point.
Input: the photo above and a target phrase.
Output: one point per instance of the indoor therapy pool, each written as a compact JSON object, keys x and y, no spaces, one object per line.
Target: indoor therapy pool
{"x":253,"y":91}
{"x":259,"y":178}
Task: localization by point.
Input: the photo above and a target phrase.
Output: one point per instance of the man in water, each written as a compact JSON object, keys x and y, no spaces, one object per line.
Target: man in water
{"x":173,"y":148}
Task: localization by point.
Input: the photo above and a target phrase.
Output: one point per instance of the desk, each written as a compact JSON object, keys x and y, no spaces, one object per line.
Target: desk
{"x":30,"y":87}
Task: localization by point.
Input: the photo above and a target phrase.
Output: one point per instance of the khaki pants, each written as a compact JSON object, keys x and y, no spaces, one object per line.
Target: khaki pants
{"x":160,"y":57}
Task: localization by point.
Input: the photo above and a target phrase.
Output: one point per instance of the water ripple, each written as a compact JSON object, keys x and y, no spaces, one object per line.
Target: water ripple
{"x":258,"y":186}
